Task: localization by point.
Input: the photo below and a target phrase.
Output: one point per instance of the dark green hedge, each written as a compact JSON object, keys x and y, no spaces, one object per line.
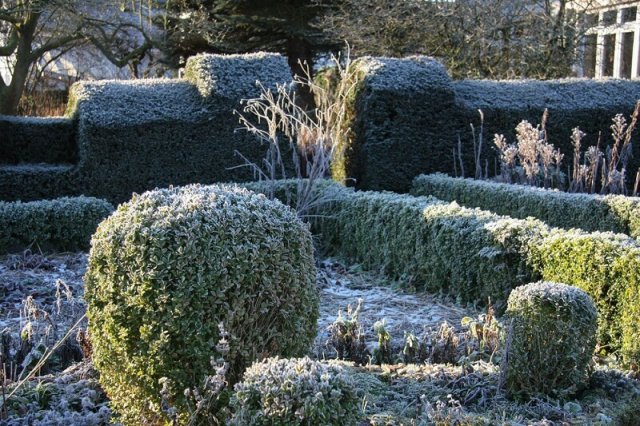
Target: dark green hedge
{"x":136,"y":136}
{"x":50,"y":225}
{"x":475,"y":255}
{"x":402,"y":120}
{"x":29,"y":182}
{"x":613,"y":213}
{"x":408,"y":114}
{"x":586,"y":103}
{"x":37,"y":140}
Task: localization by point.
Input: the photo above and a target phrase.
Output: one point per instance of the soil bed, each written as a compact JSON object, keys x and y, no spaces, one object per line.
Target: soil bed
{"x":41,"y":298}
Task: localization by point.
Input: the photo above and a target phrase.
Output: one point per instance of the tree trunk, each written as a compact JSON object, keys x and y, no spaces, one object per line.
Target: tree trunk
{"x":10,"y":96}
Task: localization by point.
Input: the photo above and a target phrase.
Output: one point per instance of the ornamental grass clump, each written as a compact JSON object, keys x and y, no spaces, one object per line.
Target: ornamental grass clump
{"x":170,"y":265}
{"x":552,"y":340}
{"x":282,"y":392}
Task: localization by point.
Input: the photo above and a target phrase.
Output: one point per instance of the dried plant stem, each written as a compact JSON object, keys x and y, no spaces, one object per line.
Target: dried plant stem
{"x":276,"y":117}
{"x":460,"y":157}
{"x":41,"y":362}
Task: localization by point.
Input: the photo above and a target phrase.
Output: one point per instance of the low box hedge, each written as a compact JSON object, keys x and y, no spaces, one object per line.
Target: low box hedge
{"x":475,"y":255}
{"x":614,"y":213}
{"x":29,"y":182}
{"x":50,"y":225}
{"x":37,"y":140}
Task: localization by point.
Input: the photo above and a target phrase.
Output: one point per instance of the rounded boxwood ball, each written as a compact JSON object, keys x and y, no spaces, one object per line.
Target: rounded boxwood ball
{"x":287,"y":392}
{"x":552,"y":340}
{"x":170,"y":265}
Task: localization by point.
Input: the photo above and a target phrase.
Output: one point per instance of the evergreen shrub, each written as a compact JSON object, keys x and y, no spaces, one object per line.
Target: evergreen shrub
{"x":283,"y":392}
{"x":170,"y":265}
{"x":552,"y":340}
{"x":37,"y":140}
{"x":135,"y":136}
{"x":475,"y":255}
{"x":63,"y":224}
{"x":614,"y":213}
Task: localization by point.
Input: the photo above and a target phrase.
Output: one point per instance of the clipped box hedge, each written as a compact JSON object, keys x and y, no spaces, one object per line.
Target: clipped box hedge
{"x":169,"y":266}
{"x":37,"y":140}
{"x":475,"y":255}
{"x":402,"y":118}
{"x":28,"y":182}
{"x":133,"y":136}
{"x":614,"y":213}
{"x":50,"y":225}
{"x":407,"y":115}
{"x":552,"y":335}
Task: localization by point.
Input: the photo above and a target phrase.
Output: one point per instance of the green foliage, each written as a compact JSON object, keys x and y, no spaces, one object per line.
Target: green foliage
{"x":63,"y":224}
{"x":613,"y":213}
{"x":37,"y":140}
{"x":347,"y":337}
{"x":133,"y":136}
{"x":37,"y":181}
{"x":435,"y":246}
{"x":606,"y":266}
{"x":282,"y":392}
{"x":382,"y":354}
{"x":476,"y":255}
{"x":226,"y":26}
{"x":552,"y":340}
{"x":172,"y":264}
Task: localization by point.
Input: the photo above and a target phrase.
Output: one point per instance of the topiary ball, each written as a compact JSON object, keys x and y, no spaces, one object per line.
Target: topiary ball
{"x":552,"y":340}
{"x":170,"y":265}
{"x":284,"y":392}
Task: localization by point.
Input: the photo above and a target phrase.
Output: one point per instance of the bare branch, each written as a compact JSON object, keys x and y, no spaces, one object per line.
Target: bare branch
{"x":12,"y":43}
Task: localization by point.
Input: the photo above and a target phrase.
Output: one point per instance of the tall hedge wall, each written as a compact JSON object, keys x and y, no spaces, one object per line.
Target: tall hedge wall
{"x":403,"y":117}
{"x":476,"y":255}
{"x":37,"y":140}
{"x":613,"y":213}
{"x":139,"y":135}
{"x":408,"y":115}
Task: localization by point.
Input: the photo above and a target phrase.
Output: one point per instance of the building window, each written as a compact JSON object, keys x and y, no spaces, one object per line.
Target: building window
{"x":608,"y":54}
{"x":590,"y":51}
{"x":627,"y":55}
{"x":629,"y":14}
{"x":609,"y":17}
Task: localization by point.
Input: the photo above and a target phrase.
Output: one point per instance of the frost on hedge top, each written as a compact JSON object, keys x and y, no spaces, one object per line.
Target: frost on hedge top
{"x":407,"y":75}
{"x":235,"y":76}
{"x":114,"y":104}
{"x":295,"y":392}
{"x":591,"y":212}
{"x":564,"y":295}
{"x":565,"y":94}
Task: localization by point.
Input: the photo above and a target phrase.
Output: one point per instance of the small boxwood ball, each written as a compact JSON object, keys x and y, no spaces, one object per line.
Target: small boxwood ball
{"x":170,"y":265}
{"x":552,"y":340}
{"x":287,"y":392}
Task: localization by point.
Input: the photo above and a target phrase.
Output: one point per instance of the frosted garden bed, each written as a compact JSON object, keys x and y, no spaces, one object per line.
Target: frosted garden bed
{"x":397,"y":393}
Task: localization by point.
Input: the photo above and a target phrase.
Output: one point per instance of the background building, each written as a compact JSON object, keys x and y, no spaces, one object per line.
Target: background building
{"x":612,"y":40}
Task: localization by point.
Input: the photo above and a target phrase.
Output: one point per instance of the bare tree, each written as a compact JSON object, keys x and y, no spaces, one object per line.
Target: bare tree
{"x":29,"y":29}
{"x":474,"y":38}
